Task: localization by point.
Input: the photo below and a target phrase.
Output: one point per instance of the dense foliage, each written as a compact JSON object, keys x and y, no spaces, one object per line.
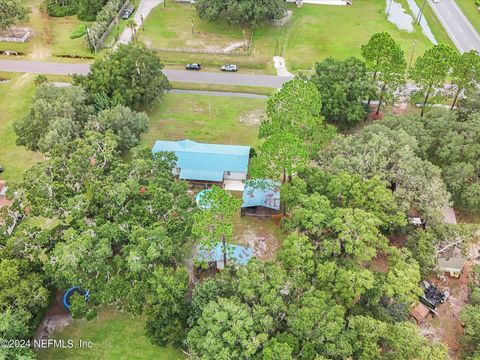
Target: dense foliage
{"x":452,"y":145}
{"x":241,"y":12}
{"x":88,"y":9}
{"x":391,"y":155}
{"x":61,"y":8}
{"x":11,"y":12}
{"x":103,"y":18}
{"x":59,"y":115}
{"x":130,"y":76}
{"x":344,"y":86}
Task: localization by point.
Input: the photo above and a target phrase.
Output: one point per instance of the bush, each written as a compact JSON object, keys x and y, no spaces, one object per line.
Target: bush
{"x":88,"y":9}
{"x":78,"y":32}
{"x":56,"y":10}
{"x":104,"y":18}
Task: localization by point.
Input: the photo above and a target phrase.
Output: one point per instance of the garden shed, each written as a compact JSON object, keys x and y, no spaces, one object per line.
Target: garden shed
{"x":236,"y":254}
{"x":453,"y":265}
{"x":261,"y":198}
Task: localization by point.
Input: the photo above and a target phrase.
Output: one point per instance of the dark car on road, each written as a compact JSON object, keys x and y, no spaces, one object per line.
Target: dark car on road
{"x":229,"y":67}
{"x":193,"y":66}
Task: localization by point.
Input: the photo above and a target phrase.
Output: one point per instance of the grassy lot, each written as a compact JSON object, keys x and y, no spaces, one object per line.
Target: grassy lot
{"x":51,"y":36}
{"x":205,"y":118}
{"x":470,"y":10}
{"x":226,"y":88}
{"x":171,"y":27}
{"x":15,"y":98}
{"x":115,"y":336}
{"x":314,"y":33}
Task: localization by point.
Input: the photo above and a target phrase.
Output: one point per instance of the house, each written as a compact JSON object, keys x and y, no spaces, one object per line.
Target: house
{"x":453,"y":265}
{"x":236,"y":254}
{"x":261,"y":198}
{"x":208,"y":164}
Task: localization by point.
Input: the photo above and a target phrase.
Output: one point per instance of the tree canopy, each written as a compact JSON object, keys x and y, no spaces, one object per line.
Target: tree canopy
{"x":11,"y":12}
{"x":242,"y":12}
{"x":344,"y":86}
{"x":131,"y":76}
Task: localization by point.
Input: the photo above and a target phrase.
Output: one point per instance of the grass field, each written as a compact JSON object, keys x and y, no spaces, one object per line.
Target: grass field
{"x":313,"y":33}
{"x":470,"y":10}
{"x":115,"y":336}
{"x":51,"y":36}
{"x":205,"y":118}
{"x":15,"y":98}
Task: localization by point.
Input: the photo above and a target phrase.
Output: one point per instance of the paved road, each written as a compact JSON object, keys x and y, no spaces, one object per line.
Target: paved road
{"x":201,"y":77}
{"x":460,"y":30}
{"x":218,"y":93}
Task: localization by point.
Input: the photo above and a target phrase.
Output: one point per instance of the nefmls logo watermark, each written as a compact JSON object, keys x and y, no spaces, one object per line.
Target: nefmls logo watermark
{"x":62,"y":344}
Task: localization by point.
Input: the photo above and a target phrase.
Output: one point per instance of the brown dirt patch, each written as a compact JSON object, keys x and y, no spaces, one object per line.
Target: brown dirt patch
{"x":447,"y":325}
{"x":252,"y":118}
{"x":56,"y":319}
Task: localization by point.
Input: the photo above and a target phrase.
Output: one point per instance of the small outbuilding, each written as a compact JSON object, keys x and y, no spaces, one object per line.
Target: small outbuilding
{"x":453,"y":265}
{"x":261,"y":198}
{"x":419,"y":312}
{"x":236,"y":254}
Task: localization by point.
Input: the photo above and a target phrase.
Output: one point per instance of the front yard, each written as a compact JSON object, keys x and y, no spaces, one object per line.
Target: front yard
{"x":114,"y":335}
{"x":313,"y":33}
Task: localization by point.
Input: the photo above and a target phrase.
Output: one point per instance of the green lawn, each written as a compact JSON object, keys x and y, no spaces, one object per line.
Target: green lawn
{"x":15,"y":98}
{"x":115,"y":336}
{"x":470,"y":10}
{"x":51,"y":36}
{"x":314,"y":33}
{"x":205,"y":118}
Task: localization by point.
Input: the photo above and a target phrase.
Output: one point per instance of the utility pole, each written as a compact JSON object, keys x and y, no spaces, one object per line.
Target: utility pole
{"x":193,"y":27}
{"x":414,"y":45}
{"x":420,"y":14}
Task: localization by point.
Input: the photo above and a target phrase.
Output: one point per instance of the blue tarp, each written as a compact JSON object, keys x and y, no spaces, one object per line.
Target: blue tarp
{"x":237,"y":254}
{"x":208,"y":162}
{"x":261,"y":192}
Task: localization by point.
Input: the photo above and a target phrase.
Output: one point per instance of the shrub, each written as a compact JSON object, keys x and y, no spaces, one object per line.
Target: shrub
{"x":78,"y":32}
{"x":57,"y":10}
{"x":104,"y":18}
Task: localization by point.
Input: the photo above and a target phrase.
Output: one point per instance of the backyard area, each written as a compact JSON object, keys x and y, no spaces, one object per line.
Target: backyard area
{"x":108,"y":334}
{"x":205,"y":118}
{"x":15,"y":159}
{"x":312,"y":34}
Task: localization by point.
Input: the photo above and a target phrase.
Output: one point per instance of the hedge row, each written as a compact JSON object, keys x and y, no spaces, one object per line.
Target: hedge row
{"x":104,"y":18}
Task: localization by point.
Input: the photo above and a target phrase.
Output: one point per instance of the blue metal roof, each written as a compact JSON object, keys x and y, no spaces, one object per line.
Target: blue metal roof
{"x":199,"y":161}
{"x":261,"y":192}
{"x":235,"y":253}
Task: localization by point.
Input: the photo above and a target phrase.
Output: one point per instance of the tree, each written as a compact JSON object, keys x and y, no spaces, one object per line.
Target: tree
{"x":130,"y":76}
{"x":226,"y":330}
{"x":391,"y":156}
{"x":343,"y":86}
{"x":431,"y":70}
{"x":280,"y":156}
{"x":240,"y":13}
{"x":213,"y":224}
{"x":11,"y":12}
{"x":471,"y":318}
{"x":57,"y":116}
{"x":88,"y":9}
{"x":466,"y":72}
{"x":385,"y":59}
{"x":128,"y":125}
{"x":167,"y":309}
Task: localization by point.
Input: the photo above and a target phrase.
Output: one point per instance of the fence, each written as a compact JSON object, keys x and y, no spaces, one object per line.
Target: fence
{"x":114,"y":22}
{"x":16,"y":39}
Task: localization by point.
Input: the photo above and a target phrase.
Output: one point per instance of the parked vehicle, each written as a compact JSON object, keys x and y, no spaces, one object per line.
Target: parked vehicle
{"x":194,"y":66}
{"x":128,"y":12}
{"x":229,"y":67}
